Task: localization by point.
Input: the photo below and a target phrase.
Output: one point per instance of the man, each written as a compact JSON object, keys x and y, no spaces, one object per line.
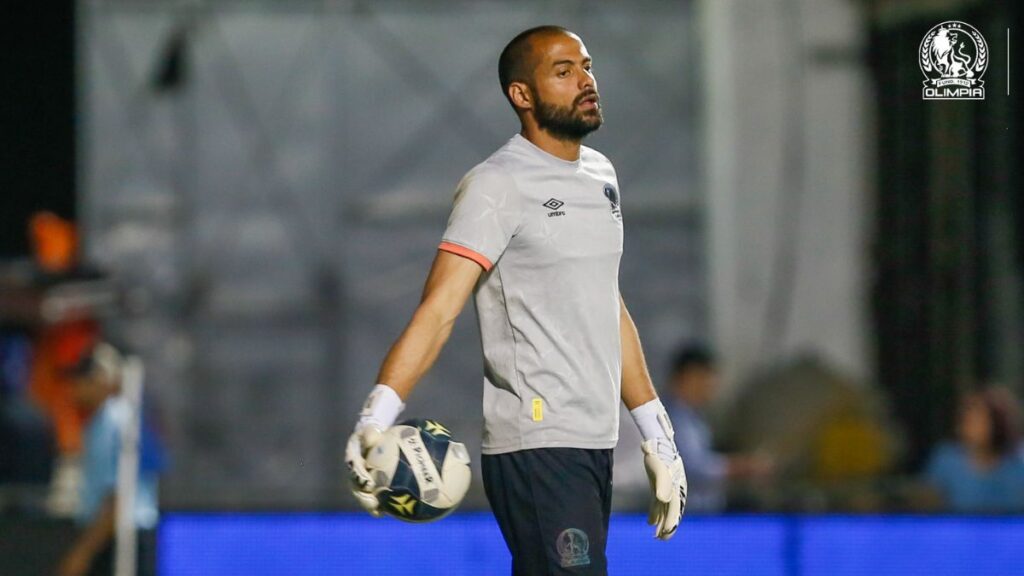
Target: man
{"x":97,"y":388}
{"x":694,"y":383}
{"x":536,"y":235}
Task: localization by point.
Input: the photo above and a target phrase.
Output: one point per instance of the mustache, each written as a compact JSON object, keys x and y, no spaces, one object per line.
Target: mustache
{"x":587,"y":94}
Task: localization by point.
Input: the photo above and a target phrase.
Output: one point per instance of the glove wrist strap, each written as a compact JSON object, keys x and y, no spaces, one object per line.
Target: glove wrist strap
{"x":381,"y":408}
{"x":652,"y":420}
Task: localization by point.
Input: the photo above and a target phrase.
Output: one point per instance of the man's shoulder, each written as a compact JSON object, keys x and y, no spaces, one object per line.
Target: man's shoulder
{"x":1015,"y":462}
{"x":588,"y":153}
{"x":493,"y":170}
{"x":500,"y":167}
{"x":597,"y":163}
{"x":490,"y":179}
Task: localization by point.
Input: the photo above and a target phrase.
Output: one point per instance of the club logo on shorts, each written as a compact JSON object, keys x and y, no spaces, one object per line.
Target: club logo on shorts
{"x":953,"y":57}
{"x":613,"y":197}
{"x":573,"y":548}
{"x":554,"y":204}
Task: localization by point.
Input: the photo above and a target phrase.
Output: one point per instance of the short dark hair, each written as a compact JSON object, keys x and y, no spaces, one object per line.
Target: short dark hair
{"x":101,"y":359}
{"x":692,"y":356}
{"x":516,"y":63}
{"x":1004,"y":413}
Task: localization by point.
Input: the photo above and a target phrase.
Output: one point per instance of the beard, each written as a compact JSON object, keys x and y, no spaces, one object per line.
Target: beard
{"x":567,"y":122}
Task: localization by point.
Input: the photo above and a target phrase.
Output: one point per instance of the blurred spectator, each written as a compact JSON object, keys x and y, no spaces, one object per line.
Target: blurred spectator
{"x":56,"y":346}
{"x":55,"y":350}
{"x":97,"y":381}
{"x":694,"y":383}
{"x":831,"y":436}
{"x":982,"y":471}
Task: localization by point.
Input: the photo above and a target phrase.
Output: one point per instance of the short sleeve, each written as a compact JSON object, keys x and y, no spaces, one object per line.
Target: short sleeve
{"x":485,"y":215}
{"x":102,"y":446}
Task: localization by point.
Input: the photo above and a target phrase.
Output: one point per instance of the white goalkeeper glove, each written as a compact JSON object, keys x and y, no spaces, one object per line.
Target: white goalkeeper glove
{"x":664,"y":468}
{"x":382,"y":407}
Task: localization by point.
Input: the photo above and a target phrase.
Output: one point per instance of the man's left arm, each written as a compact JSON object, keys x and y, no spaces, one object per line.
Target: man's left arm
{"x":661,"y":460}
{"x":91,"y":541}
{"x":637,"y":388}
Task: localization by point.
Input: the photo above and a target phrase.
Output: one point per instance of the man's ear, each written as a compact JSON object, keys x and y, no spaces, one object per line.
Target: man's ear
{"x":520,"y":95}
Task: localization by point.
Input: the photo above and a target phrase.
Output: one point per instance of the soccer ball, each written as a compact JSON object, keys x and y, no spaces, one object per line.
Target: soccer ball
{"x":424,"y":473}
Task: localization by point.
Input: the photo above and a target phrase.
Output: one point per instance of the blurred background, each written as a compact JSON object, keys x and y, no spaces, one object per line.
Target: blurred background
{"x":246,"y":197}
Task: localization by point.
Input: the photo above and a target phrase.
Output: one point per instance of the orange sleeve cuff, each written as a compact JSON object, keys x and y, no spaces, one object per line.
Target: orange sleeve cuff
{"x":467,"y":253}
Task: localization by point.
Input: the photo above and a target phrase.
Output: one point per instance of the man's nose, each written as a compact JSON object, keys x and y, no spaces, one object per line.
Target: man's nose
{"x":586,"y":80}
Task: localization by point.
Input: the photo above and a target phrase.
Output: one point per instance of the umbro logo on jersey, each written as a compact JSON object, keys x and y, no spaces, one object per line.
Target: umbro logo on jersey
{"x":554,"y":205}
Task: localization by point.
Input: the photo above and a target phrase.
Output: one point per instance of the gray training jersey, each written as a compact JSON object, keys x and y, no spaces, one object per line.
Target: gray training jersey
{"x":548,"y":233}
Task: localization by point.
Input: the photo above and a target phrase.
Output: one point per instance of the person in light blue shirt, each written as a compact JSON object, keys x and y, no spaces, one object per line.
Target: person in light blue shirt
{"x":983,"y":470}
{"x":693,"y":385}
{"x":97,"y":390}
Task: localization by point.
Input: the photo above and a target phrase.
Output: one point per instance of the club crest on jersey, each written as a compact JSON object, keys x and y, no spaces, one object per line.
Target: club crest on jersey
{"x":613,"y":198}
{"x":554,"y":204}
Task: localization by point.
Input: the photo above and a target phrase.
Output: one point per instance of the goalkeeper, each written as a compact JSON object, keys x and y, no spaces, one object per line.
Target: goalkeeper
{"x":535,"y":235}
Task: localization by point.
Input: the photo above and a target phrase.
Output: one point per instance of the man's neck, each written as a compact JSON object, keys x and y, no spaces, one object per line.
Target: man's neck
{"x":982,"y":458}
{"x":564,"y":149}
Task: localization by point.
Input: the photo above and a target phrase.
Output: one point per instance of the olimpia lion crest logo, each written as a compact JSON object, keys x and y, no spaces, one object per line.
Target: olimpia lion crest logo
{"x":953,"y":57}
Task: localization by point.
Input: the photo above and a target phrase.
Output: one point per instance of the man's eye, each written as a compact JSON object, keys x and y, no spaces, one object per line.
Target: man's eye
{"x":563,"y":73}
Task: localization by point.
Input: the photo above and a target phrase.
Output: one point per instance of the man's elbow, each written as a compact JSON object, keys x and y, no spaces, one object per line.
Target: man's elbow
{"x":437,"y":314}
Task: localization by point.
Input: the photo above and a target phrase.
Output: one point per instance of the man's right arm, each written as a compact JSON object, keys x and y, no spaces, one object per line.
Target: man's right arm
{"x":449,"y":284}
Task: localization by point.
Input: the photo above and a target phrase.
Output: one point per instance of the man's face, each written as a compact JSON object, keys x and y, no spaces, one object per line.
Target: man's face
{"x":975,"y":424}
{"x":566,"y":102}
{"x":696,"y":385}
{"x":92,"y":390}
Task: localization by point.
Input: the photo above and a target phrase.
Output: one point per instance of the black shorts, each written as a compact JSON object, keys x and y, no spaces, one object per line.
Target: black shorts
{"x":552,"y":505}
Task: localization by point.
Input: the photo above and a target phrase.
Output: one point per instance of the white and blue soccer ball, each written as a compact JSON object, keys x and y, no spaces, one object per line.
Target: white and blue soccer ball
{"x":424,"y":474}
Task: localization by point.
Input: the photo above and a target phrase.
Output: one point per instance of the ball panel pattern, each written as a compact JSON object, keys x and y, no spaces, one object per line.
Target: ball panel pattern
{"x":423,"y":474}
